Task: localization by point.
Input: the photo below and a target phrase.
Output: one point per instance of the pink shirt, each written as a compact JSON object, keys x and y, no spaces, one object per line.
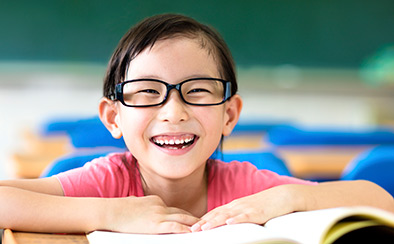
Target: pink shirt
{"x":117,"y":175}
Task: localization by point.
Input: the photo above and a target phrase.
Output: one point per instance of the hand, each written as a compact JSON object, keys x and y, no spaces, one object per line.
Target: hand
{"x":257,"y":208}
{"x":147,"y":215}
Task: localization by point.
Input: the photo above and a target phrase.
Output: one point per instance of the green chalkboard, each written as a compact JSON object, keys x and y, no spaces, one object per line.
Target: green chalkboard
{"x":305,"y":33}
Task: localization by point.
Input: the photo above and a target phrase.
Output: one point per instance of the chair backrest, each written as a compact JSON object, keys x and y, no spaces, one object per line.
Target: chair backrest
{"x":376,"y":165}
{"x":83,"y":133}
{"x":75,"y":160}
{"x":262,"y":160}
{"x":292,"y":135}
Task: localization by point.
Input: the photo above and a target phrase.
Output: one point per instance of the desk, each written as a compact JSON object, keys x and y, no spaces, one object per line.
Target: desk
{"x":325,"y":162}
{"x":10,"y":237}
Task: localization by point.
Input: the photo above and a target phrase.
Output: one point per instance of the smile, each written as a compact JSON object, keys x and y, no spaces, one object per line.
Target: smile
{"x":174,"y":142}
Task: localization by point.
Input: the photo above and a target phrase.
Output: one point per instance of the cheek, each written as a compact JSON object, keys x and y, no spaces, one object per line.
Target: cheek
{"x":133,"y":125}
{"x":211,"y":120}
{"x":213,"y":129}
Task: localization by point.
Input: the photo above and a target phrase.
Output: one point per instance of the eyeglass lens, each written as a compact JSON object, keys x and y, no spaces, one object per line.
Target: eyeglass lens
{"x":145,"y":92}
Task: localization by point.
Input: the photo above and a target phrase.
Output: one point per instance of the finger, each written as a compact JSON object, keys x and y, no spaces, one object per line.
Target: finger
{"x":247,"y":217}
{"x":206,"y":219}
{"x":197,"y":226}
{"x":182,"y":216}
{"x":217,"y":220}
{"x":184,"y":219}
{"x":168,"y":227}
{"x":241,"y":218}
{"x":212,"y":214}
{"x":214,"y":218}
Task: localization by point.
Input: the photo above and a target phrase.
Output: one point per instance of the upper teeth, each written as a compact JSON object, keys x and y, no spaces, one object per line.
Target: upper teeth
{"x":172,"y":141}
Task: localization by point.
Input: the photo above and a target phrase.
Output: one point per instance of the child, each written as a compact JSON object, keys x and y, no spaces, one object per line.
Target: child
{"x":171,"y":92}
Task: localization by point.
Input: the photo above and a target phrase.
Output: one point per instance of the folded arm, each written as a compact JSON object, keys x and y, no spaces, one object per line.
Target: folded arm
{"x":346,"y":193}
{"x":280,"y":200}
{"x":39,"y":206}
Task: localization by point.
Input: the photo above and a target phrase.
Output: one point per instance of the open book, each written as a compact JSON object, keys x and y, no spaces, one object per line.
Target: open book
{"x":335,"y":225}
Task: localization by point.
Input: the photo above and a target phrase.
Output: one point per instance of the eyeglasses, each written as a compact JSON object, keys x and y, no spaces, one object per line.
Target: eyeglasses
{"x":153,"y":92}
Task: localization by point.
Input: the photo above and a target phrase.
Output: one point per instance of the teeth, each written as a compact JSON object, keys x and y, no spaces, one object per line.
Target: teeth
{"x":172,"y":141}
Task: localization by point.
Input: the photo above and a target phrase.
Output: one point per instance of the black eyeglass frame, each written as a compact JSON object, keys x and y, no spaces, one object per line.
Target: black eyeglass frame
{"x":118,"y":95}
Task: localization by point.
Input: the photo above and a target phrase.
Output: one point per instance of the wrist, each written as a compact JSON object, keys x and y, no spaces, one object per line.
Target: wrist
{"x":103,"y":214}
{"x":297,"y":197}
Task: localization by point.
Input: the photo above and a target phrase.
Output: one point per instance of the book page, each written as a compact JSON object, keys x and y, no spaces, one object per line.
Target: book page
{"x":311,"y":227}
{"x":342,"y":228}
{"x":229,"y":234}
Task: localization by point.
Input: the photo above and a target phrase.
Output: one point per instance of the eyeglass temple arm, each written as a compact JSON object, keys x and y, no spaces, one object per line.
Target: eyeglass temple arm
{"x":228,"y":91}
{"x":114,"y":96}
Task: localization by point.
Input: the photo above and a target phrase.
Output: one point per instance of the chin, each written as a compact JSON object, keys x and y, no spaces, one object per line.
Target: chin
{"x":177,"y":171}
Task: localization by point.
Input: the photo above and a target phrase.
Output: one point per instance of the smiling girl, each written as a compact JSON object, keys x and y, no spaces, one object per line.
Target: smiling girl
{"x":171,"y":92}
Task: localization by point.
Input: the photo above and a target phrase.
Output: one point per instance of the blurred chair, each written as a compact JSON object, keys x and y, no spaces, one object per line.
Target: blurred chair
{"x":57,"y":137}
{"x":83,"y":133}
{"x":291,"y":135}
{"x":262,"y":160}
{"x":75,"y":160}
{"x":256,"y":126}
{"x":323,"y":153}
{"x":88,"y":133}
{"x":376,"y":165}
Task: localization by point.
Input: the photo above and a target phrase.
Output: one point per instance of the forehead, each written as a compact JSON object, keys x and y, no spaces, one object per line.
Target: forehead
{"x":174,"y":58}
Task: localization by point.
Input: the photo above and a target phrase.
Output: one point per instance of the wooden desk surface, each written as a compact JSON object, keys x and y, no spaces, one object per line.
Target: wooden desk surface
{"x":11,"y":237}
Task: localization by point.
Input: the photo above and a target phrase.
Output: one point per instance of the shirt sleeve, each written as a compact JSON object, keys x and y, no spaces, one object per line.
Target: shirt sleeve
{"x":102,"y":177}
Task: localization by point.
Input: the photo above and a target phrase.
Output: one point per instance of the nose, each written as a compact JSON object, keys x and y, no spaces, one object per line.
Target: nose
{"x":174,"y":110}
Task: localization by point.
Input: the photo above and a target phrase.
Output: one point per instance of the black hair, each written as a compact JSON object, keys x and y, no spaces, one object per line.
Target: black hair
{"x":145,"y":33}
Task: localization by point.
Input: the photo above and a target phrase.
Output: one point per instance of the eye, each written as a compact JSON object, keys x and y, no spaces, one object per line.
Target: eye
{"x":197,"y":90}
{"x":150,"y":91}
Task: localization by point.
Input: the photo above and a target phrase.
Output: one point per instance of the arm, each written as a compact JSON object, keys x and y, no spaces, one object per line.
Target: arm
{"x":346,"y":193}
{"x":280,"y":200}
{"x":38,"y":212}
{"x":39,"y":206}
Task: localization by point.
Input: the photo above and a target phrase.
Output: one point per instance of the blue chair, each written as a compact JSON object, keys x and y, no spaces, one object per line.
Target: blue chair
{"x":75,"y":160}
{"x":262,"y":160}
{"x":83,"y":133}
{"x":291,"y":135}
{"x":256,"y":126}
{"x":376,"y":165}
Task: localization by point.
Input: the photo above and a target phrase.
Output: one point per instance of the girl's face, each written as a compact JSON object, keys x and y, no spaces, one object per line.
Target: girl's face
{"x":199,"y":127}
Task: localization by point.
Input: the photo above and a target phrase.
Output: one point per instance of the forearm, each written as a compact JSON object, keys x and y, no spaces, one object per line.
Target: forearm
{"x":343,"y":193}
{"x":30,"y":211}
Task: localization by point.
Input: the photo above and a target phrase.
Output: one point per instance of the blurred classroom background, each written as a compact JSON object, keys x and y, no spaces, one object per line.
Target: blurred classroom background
{"x":317,"y":77}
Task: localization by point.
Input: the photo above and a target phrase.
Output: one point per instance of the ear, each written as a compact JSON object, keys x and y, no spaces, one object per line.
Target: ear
{"x":233,"y":109}
{"x":108,"y":113}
